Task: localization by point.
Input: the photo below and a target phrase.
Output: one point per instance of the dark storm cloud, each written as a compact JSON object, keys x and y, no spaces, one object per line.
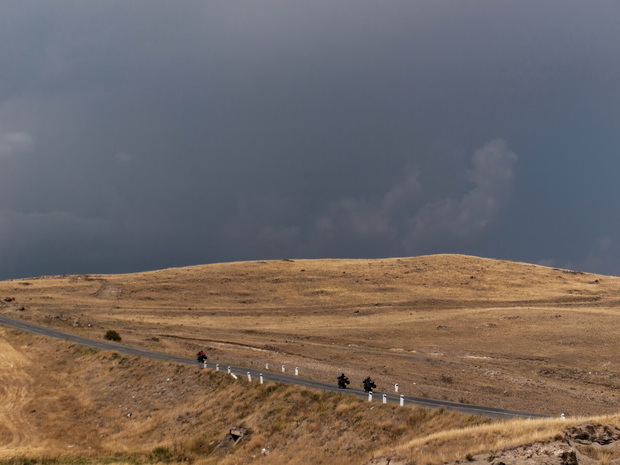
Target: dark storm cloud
{"x":137,"y":135}
{"x":491,"y":176}
{"x":398,"y":221}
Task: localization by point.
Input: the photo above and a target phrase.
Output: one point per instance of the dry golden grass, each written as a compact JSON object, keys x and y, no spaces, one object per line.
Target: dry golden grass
{"x":80,"y":405}
{"x":461,"y":328}
{"x":101,"y":407}
{"x":484,"y":331}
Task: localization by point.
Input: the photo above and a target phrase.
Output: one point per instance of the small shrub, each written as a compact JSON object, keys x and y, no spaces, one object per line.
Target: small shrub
{"x":162,"y":454}
{"x":112,"y":335}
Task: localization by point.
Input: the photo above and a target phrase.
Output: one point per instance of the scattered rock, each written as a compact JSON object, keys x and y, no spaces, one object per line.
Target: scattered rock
{"x":581,"y":445}
{"x":234,"y":437}
{"x":589,"y":433}
{"x":567,"y":457}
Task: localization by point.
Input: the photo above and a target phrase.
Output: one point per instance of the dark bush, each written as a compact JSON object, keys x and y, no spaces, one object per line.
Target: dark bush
{"x":112,"y":335}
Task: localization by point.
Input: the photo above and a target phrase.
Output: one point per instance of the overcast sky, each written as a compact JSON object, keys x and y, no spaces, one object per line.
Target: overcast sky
{"x":144,"y":134}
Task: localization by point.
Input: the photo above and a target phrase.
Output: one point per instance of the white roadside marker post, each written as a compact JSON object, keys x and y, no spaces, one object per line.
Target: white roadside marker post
{"x":384,"y":399}
{"x":296,"y":371}
{"x":266,"y":366}
{"x":229,"y":370}
{"x":396,"y":388}
{"x":261,"y":378}
{"x":402,"y":400}
{"x":370,"y":396}
{"x":283,"y":368}
{"x":217,"y":367}
{"x":249,"y":377}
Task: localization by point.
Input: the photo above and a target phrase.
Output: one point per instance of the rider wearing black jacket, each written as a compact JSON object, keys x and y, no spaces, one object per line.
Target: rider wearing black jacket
{"x":342,"y":381}
{"x":369,"y":384}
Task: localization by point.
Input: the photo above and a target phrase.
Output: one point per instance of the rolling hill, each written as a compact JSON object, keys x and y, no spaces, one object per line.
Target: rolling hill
{"x":462,"y":328}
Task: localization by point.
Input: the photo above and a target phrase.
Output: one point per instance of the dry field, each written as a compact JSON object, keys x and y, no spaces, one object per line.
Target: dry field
{"x":64,"y":404}
{"x":454,"y":327}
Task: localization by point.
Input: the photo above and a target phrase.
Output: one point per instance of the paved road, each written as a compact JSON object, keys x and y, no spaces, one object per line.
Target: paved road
{"x":268,"y":375}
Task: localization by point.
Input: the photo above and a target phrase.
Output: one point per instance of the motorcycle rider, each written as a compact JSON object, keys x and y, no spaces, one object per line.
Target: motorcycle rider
{"x":369,"y":384}
{"x":201,"y":356}
{"x":343,"y":381}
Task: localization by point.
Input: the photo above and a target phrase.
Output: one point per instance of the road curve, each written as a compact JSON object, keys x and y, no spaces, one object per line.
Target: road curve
{"x":269,"y":375}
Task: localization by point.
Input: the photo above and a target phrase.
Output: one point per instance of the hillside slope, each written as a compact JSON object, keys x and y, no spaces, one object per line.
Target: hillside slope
{"x":493,"y":332}
{"x":60,"y":401}
{"x":66,"y":404}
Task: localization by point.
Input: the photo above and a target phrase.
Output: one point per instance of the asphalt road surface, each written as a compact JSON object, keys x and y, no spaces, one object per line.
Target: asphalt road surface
{"x":278,"y":377}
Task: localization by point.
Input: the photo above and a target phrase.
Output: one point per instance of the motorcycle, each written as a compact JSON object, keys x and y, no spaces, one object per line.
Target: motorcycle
{"x":201,"y":357}
{"x":369,"y":385}
{"x":343,"y":381}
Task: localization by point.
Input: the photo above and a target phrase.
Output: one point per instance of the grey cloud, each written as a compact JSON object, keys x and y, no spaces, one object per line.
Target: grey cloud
{"x":123,"y":157}
{"x":492,"y":177}
{"x":54,"y":238}
{"x":401,"y":219}
{"x":262,"y":222}
{"x":363,"y":218}
{"x":14,"y":142}
{"x":53,"y":223}
{"x":603,"y":255}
